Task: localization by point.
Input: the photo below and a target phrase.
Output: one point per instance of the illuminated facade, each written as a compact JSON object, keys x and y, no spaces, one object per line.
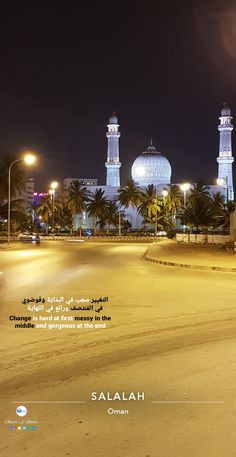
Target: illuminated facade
{"x":113,"y":164}
{"x":225,"y":159}
{"x":152,"y":167}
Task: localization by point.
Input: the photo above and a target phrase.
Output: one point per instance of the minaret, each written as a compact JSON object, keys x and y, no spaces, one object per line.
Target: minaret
{"x":113,"y":164}
{"x":225,"y":158}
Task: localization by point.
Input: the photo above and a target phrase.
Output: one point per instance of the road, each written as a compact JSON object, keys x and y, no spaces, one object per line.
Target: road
{"x":172,"y":335}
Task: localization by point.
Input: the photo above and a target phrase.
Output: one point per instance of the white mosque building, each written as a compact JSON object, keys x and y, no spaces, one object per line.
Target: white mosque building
{"x":152,"y":167}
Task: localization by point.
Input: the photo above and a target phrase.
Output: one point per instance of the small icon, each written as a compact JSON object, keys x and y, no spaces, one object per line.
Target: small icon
{"x":21,"y":411}
{"x":33,"y":427}
{"x":10,"y":428}
{"x":24,"y":427}
{"x":19,"y":427}
{"x":28,"y":427}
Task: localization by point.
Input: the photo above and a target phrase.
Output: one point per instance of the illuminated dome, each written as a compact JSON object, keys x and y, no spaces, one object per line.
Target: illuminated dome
{"x":151,"y":167}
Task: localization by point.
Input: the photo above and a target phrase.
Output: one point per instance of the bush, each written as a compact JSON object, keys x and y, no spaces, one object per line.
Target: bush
{"x":170,"y":233}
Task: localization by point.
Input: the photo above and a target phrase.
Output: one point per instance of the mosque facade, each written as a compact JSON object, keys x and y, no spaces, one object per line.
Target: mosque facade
{"x":152,"y":167}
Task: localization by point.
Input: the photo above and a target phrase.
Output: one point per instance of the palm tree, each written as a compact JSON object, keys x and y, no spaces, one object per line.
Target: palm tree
{"x":46,"y":208}
{"x":222,"y":211}
{"x":64,"y":218}
{"x":171,"y":205}
{"x":150,"y":206}
{"x":129,"y":194}
{"x":97,"y":206}
{"x":172,"y":201}
{"x":110,"y":215}
{"x":17,"y":178}
{"x":199,"y":190}
{"x":76,"y":199}
{"x":199,"y":212}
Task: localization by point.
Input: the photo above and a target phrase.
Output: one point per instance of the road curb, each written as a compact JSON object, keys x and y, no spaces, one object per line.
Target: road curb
{"x":186,"y":265}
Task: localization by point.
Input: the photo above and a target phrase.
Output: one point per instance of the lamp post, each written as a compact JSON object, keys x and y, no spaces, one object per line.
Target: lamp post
{"x":223,"y":182}
{"x":184,"y":187}
{"x":119,"y":224}
{"x":29,"y":159}
{"x":156,"y":215}
{"x":52,"y":190}
{"x":164,"y":194}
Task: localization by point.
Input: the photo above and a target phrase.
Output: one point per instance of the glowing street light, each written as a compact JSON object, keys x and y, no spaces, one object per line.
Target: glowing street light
{"x":28,"y":159}
{"x":165,"y":193}
{"x":54,"y":185}
{"x":184,"y":187}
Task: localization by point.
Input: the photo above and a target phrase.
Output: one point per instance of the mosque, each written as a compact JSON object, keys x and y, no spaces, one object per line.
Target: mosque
{"x":152,"y":167}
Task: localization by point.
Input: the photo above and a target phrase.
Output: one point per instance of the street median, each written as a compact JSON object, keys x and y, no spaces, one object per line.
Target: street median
{"x":172,"y":254}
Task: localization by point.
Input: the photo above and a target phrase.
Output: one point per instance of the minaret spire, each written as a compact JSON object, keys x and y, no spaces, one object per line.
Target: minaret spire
{"x":225,"y":159}
{"x":113,"y":164}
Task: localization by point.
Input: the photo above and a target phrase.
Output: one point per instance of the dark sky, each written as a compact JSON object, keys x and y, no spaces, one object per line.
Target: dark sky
{"x":164,"y":67}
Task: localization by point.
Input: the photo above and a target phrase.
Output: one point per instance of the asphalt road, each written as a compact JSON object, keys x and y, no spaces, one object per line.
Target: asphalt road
{"x":172,"y":335}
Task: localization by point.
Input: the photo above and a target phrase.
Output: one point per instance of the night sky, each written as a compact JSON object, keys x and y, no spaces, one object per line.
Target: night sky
{"x":164,"y":67}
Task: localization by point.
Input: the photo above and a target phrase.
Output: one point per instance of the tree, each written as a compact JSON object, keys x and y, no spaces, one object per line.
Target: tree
{"x":199,"y":191}
{"x":172,"y":202}
{"x":221,"y":211}
{"x":110,"y":215}
{"x":45,"y":209}
{"x":151,"y":206}
{"x":199,"y":212}
{"x":20,"y":219}
{"x":129,"y":194}
{"x":17,"y":178}
{"x":77,"y":197}
{"x":97,"y":206}
{"x":64,"y":217}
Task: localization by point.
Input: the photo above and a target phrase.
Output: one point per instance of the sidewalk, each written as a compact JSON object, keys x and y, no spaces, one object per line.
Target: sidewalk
{"x":12,"y":245}
{"x":207,"y":257}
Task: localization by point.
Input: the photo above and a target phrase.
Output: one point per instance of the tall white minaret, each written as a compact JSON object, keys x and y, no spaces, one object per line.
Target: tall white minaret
{"x":113,"y":164}
{"x":225,"y":158}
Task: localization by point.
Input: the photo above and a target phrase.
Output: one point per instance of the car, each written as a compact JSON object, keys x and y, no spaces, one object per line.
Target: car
{"x":27,"y":236}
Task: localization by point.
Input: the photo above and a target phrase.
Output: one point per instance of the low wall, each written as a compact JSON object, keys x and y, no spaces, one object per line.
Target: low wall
{"x":103,"y":239}
{"x":203,"y":238}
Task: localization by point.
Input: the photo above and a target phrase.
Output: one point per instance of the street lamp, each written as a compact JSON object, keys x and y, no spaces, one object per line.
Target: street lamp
{"x":52,"y":190}
{"x":184,"y":187}
{"x":29,"y":159}
{"x":165,"y":193}
{"x":223,"y":182}
{"x":119,"y":224}
{"x":54,"y":185}
{"x":156,"y":215}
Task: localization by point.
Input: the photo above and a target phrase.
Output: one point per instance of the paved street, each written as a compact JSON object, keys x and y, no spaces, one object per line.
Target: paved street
{"x":172,"y":335}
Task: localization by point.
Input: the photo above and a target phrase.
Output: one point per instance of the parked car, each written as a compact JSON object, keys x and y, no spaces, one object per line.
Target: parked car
{"x":27,"y":236}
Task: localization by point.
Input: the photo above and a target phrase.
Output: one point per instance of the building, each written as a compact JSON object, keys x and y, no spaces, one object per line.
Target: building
{"x":26,"y":196}
{"x":84,"y":181}
{"x":225,"y":159}
{"x":152,"y":167}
